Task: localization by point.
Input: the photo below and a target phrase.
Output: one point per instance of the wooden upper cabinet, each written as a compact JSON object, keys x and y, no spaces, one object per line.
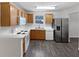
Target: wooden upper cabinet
{"x":13,"y":15}
{"x":25,"y":15}
{"x":30,"y":18}
{"x":48,"y":18}
{"x":22,"y":13}
{"x":5,"y":14}
{"x":19,"y":12}
{"x":8,"y":14}
{"x":17,"y":17}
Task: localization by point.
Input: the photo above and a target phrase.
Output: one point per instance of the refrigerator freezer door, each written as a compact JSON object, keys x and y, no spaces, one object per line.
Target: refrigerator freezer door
{"x":57,"y":30}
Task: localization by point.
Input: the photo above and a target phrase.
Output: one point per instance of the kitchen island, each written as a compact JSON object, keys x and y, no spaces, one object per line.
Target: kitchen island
{"x":13,"y":45}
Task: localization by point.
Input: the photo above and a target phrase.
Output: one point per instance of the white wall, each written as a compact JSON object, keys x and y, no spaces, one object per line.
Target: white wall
{"x":73,"y":15}
{"x":74,"y":24}
{"x":66,"y":13}
{"x":56,"y":14}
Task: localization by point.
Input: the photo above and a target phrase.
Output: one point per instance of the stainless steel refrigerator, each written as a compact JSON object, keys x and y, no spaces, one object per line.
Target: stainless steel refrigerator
{"x":61,"y":30}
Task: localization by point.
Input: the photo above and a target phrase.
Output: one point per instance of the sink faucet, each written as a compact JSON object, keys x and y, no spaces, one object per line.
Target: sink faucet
{"x":39,"y":26}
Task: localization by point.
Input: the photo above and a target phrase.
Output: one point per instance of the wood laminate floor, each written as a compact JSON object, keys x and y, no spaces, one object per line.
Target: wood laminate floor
{"x":39,"y":48}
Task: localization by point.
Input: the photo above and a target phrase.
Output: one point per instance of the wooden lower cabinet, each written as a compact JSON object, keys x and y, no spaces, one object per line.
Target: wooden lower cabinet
{"x":37,"y":34}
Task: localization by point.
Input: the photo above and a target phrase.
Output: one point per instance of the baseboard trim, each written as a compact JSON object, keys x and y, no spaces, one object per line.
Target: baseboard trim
{"x":74,"y":37}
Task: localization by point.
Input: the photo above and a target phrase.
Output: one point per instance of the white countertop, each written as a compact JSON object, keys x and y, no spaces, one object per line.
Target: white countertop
{"x":19,"y":36}
{"x":45,"y":28}
{"x":6,"y":32}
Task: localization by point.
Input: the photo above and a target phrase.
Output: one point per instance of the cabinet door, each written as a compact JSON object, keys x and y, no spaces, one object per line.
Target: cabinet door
{"x":13,"y":15}
{"x":41,"y":34}
{"x":34,"y":34}
{"x":5,"y":14}
{"x":19,"y":12}
{"x":49,"y":18}
{"x":22,"y":13}
{"x":30,"y":18}
{"x":37,"y":34}
{"x":26,"y":17}
{"x":18,"y":16}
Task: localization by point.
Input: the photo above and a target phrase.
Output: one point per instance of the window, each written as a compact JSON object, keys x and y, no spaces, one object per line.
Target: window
{"x":39,"y":19}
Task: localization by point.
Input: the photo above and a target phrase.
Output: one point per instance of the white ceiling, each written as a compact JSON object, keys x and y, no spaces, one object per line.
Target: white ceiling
{"x":30,"y":6}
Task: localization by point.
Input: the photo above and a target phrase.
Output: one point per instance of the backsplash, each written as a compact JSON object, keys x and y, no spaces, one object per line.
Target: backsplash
{"x":15,"y":29}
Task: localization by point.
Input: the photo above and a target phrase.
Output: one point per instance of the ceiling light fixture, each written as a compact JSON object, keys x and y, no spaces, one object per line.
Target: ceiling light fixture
{"x":46,"y":7}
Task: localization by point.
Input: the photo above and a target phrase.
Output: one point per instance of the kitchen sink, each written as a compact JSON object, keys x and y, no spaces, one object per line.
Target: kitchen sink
{"x":40,"y":28}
